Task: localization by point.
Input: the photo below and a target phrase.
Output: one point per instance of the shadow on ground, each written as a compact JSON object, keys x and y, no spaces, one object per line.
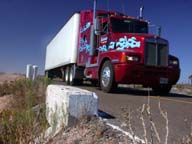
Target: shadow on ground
{"x":105,"y":115}
{"x":145,"y":92}
{"x":132,"y":91}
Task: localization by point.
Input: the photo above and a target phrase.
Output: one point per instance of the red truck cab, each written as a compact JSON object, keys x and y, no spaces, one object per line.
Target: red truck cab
{"x":117,"y":49}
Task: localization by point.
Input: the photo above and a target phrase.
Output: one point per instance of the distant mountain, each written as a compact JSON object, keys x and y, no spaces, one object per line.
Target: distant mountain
{"x":1,"y":73}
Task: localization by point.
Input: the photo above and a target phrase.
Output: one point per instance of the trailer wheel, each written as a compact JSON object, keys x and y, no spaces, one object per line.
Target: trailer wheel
{"x":107,"y":81}
{"x":48,"y":74}
{"x":67,"y":75}
{"x":162,"y":90}
{"x":72,"y":75}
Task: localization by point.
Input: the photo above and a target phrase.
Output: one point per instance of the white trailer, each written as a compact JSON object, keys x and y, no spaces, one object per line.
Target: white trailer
{"x":62,"y":50}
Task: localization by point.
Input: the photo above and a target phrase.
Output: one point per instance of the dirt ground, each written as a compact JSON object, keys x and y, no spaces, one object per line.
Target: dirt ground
{"x":6,"y":100}
{"x":8,"y":77}
{"x":90,"y":130}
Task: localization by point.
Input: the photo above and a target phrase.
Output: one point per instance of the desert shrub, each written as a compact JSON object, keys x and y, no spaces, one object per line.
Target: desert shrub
{"x":5,"y":89}
{"x":179,"y":86}
{"x":26,"y":119}
{"x":21,"y":126}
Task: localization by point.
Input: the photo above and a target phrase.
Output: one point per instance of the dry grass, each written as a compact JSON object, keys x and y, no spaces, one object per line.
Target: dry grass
{"x":185,"y":89}
{"x":150,"y":132}
{"x":22,"y":122}
{"x":152,"y":135}
{"x":90,"y":130}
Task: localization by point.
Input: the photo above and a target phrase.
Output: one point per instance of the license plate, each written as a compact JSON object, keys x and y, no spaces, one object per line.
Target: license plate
{"x":164,"y":80}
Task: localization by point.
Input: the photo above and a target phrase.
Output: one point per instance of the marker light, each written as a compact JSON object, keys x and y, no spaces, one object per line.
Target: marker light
{"x":123,"y":58}
{"x":173,"y":62}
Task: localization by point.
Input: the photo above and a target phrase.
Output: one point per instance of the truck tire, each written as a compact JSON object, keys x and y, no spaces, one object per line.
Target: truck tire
{"x":48,"y":75}
{"x":107,"y":81}
{"x":73,"y":80}
{"x":72,"y":75}
{"x":162,"y":90}
{"x":67,"y":75}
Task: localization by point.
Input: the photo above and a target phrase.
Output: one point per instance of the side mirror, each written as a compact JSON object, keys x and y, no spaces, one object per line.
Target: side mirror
{"x":97,"y":32}
{"x":97,"y":27}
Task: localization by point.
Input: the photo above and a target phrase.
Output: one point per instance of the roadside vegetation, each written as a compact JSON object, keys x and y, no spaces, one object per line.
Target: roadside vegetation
{"x":25,"y":119}
{"x":183,"y":89}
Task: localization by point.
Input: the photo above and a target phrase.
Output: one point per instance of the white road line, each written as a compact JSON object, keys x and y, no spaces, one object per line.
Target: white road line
{"x":137,"y":139}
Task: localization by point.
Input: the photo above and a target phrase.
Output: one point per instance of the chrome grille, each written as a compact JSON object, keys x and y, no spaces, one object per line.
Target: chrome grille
{"x":156,"y":54}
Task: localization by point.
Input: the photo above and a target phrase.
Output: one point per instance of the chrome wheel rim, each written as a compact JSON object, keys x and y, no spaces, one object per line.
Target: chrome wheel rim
{"x":105,"y":76}
{"x":67,"y":74}
{"x":71,"y":75}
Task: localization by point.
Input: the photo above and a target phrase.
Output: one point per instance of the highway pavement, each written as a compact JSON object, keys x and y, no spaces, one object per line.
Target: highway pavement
{"x":127,"y":106}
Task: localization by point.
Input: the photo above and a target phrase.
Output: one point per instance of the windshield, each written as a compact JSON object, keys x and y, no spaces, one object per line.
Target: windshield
{"x":128,"y":26}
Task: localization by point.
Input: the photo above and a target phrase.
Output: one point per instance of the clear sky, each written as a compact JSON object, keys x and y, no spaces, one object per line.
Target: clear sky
{"x":26,"y":26}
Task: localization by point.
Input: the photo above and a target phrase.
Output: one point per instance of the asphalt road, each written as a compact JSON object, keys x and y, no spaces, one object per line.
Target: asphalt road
{"x":125,"y":105}
{"x":123,"y":108}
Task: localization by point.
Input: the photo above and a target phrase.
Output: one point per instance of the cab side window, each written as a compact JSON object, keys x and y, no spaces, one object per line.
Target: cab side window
{"x":105,"y":28}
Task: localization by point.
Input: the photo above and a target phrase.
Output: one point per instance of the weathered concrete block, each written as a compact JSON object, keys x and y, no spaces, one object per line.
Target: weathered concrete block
{"x":64,"y":103}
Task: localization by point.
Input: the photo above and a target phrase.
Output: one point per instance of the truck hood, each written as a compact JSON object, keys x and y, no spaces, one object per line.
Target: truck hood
{"x":122,"y":41}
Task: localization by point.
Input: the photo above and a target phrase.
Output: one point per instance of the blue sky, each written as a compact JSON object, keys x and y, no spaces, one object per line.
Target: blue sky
{"x":26,"y":26}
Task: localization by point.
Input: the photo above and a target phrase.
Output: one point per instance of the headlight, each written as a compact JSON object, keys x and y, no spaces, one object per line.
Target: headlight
{"x":129,"y":58}
{"x":133,"y":58}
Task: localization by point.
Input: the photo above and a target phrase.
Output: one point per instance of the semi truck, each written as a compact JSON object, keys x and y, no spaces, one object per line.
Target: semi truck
{"x":111,"y":48}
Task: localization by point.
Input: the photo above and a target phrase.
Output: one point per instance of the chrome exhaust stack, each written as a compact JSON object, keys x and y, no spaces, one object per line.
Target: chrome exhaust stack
{"x":141,"y":12}
{"x":93,"y":30}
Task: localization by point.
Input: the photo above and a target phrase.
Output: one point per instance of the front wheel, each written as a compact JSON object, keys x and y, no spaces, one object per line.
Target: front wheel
{"x":107,"y":81}
{"x":162,"y":90}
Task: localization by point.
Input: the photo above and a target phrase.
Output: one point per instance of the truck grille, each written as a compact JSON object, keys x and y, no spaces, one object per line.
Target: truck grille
{"x":156,"y":54}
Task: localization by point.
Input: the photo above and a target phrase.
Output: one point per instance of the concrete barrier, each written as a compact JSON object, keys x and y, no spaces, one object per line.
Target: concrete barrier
{"x":65,"y":103}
